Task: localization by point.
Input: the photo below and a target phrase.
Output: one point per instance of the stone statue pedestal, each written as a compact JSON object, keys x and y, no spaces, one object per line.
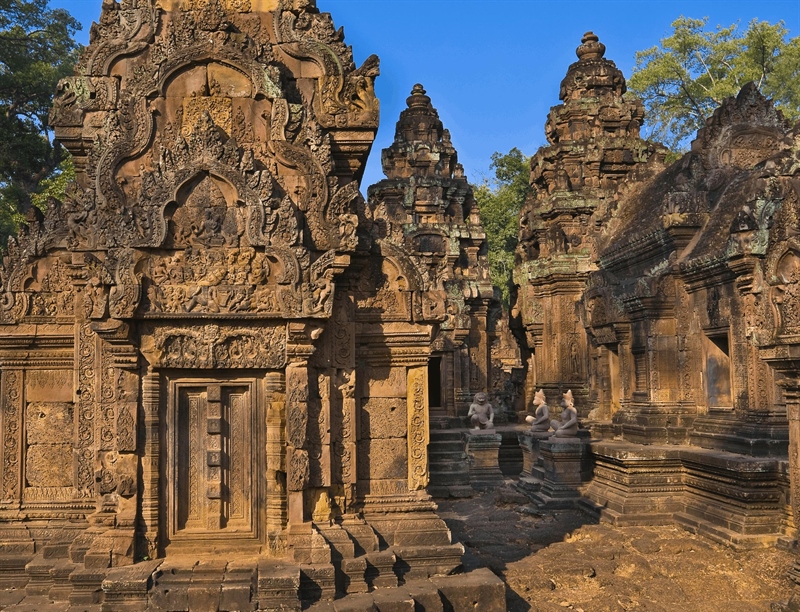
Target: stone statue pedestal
{"x":565,"y":461}
{"x":562,"y":466}
{"x":483,"y":451}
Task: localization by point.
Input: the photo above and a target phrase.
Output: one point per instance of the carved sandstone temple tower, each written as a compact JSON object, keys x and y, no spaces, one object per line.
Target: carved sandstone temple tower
{"x":425,"y":211}
{"x":680,"y":285}
{"x":594,"y":148}
{"x":208,"y":347}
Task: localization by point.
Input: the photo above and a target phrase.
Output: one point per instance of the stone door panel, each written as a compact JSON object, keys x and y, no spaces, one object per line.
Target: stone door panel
{"x":211,"y":482}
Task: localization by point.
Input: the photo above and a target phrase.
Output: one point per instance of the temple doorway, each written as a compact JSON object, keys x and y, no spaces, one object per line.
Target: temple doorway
{"x":212,"y":470}
{"x":435,"y":400}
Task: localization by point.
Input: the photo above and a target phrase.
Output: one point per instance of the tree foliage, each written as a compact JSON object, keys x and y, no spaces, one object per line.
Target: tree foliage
{"x":36,"y":50}
{"x":500,"y":201}
{"x":687,"y":77}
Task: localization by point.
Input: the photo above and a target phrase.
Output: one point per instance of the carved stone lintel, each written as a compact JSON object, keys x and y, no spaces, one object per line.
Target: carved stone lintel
{"x":215,"y":346}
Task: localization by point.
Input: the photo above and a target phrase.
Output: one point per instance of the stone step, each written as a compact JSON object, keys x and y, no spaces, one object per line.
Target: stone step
{"x":278,"y":586}
{"x":449,"y":480}
{"x":445,"y":435}
{"x":476,"y":590}
{"x":205,"y":589}
{"x":317,"y":582}
{"x":126,"y":588}
{"x":452,"y":471}
{"x":441,"y":422}
{"x":452,"y":448}
{"x":171,"y":582}
{"x":39,"y":578}
{"x":86,"y":586}
{"x":364,"y":537}
{"x":60,"y":574}
{"x":447,"y":462}
{"x":438,"y":460}
{"x":449,"y":469}
{"x":239,"y":586}
{"x":456,"y":463}
{"x":338,"y":539}
{"x":350,"y":571}
{"x":38,"y":603}
{"x":510,"y":454}
{"x":380,"y":569}
{"x":12,"y":570}
{"x":441,"y":445}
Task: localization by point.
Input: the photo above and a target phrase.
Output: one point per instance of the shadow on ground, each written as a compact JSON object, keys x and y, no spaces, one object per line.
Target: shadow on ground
{"x":565,"y":560}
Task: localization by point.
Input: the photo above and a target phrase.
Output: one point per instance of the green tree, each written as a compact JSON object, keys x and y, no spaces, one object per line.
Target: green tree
{"x":36,"y":50}
{"x":500,"y":200}
{"x":687,"y":77}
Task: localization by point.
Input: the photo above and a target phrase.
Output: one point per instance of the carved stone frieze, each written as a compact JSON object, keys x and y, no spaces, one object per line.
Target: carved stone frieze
{"x":78,"y":95}
{"x":215,"y":346}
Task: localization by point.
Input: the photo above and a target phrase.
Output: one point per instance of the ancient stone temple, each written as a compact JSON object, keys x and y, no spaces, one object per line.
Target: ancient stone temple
{"x":667,"y":297}
{"x":425,"y":209}
{"x":594,"y":149}
{"x":214,"y":346}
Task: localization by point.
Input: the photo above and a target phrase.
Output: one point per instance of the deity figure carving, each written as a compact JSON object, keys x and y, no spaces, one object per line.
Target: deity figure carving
{"x":540,"y":420}
{"x":481,"y":413}
{"x":567,"y":427}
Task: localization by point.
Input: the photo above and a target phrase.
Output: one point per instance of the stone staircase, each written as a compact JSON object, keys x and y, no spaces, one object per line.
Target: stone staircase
{"x":447,"y":461}
{"x":338,"y":567}
{"x":510,"y":454}
{"x":447,"y":457}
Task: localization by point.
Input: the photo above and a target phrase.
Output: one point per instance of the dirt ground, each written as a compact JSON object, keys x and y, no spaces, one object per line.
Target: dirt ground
{"x":564,"y":560}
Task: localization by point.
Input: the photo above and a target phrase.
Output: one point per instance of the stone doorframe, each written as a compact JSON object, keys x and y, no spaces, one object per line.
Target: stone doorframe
{"x":213,"y":471}
{"x":271,"y":516}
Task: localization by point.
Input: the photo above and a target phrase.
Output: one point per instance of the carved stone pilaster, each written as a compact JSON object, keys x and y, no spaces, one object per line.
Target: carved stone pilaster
{"x":792,"y":394}
{"x":12,"y":409}
{"x":276,"y":460}
{"x":151,"y":397}
{"x":418,"y":429}
{"x":345,"y":447}
{"x":786,"y":360}
{"x":298,"y":468}
{"x":86,"y":347}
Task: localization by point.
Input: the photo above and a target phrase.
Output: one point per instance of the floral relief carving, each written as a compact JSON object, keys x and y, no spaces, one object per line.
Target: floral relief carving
{"x":418,"y":428}
{"x":12,"y":426}
{"x":87,"y":351}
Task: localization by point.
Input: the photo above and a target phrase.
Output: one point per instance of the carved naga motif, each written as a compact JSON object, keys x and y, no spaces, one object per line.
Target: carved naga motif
{"x":345,"y":95}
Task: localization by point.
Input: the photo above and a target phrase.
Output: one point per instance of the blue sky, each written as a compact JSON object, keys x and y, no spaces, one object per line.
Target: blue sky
{"x":493,"y":67}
